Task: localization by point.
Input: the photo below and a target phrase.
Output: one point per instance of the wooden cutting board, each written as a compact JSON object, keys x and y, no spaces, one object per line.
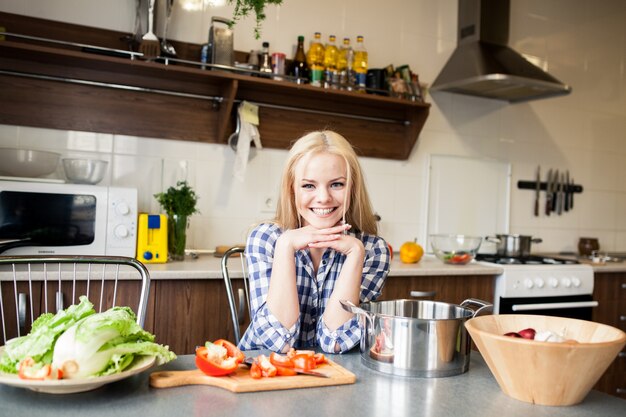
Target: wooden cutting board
{"x":241,"y":381}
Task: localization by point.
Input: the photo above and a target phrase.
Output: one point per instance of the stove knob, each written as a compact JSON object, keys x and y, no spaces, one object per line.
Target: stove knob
{"x":553,"y":282}
{"x":566,"y":282}
{"x":539,"y":282}
{"x":528,"y":283}
{"x":576,"y":282}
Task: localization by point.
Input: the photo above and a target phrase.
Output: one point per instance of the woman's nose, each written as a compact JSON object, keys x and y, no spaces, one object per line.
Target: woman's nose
{"x":322,"y":194}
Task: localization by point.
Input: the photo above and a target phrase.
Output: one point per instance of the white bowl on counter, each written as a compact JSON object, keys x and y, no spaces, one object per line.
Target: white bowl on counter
{"x":27,"y":163}
{"x":84,"y":170}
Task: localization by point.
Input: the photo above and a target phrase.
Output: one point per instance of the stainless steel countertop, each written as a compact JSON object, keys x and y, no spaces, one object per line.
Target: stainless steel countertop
{"x":474,"y":393}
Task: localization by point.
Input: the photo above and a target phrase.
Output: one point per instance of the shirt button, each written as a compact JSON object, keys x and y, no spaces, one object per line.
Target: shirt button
{"x":334,"y":335}
{"x":323,"y":262}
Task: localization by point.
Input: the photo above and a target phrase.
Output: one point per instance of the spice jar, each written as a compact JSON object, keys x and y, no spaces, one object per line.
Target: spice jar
{"x":586,"y":245}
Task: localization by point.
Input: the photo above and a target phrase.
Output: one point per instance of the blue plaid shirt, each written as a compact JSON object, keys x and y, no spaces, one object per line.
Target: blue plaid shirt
{"x":266,"y":332}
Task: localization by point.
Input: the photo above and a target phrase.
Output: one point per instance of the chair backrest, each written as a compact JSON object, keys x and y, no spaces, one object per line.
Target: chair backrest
{"x":33,"y":285}
{"x":238,"y":307}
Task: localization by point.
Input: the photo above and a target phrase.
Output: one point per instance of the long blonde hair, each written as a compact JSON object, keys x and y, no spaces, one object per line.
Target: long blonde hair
{"x":359,"y":212}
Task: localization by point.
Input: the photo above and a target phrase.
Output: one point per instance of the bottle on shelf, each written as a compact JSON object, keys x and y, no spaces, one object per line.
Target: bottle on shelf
{"x":330,"y":63}
{"x":266,"y":61}
{"x":315,"y":60}
{"x":344,"y":65}
{"x":360,"y":64}
{"x":299,"y":67}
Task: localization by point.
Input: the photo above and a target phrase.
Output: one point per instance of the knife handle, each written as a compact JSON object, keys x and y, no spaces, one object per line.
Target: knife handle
{"x":536,"y":207}
{"x":548,"y":204}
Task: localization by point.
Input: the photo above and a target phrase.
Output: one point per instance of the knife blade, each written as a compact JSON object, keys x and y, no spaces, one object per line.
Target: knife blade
{"x":555,"y":189}
{"x":549,"y":192}
{"x":571,"y":195}
{"x":567,"y":191}
{"x":537,"y":191}
{"x":561,"y":194}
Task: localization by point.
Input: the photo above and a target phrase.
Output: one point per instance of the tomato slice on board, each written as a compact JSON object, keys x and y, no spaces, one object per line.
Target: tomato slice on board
{"x":285,"y":371}
{"x":320,"y":358}
{"x":255,"y":371}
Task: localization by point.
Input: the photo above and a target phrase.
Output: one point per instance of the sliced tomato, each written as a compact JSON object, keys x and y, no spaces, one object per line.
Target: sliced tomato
{"x":304,"y":362}
{"x":279,"y":360}
{"x":285,"y":371}
{"x":213,"y":366}
{"x":461,"y":258}
{"x":233,"y":351}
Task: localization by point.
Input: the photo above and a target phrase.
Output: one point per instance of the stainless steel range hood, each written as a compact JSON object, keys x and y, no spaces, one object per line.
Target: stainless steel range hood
{"x":483,"y":65}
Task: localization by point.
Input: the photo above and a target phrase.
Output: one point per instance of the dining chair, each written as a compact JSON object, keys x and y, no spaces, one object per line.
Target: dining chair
{"x":238,"y":308}
{"x":34,"y":285}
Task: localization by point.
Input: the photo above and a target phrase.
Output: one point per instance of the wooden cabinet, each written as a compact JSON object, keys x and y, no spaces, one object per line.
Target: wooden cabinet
{"x":64,"y":86}
{"x":610,"y":292}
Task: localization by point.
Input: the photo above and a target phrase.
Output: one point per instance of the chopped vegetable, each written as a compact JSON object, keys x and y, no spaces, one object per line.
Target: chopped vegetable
{"x":218,"y":358}
{"x":286,"y":365}
{"x":28,"y":369}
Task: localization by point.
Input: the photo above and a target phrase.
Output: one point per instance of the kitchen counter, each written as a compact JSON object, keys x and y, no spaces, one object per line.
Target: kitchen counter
{"x":474,"y":393}
{"x":208,"y":267}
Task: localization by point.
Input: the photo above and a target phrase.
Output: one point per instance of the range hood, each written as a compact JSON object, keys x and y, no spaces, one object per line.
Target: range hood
{"x":484,"y":65}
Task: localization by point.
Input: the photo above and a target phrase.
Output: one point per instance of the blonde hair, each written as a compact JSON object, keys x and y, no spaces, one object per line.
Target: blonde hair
{"x":359,"y":212}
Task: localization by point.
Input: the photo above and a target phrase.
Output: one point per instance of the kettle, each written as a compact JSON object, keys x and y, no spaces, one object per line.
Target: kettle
{"x":220,"y":47}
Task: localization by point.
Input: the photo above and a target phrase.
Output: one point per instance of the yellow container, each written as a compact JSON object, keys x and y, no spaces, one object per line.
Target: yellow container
{"x":152,"y":238}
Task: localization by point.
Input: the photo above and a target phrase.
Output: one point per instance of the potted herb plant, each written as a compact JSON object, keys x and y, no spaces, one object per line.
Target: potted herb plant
{"x":179,"y":203}
{"x":244,"y":7}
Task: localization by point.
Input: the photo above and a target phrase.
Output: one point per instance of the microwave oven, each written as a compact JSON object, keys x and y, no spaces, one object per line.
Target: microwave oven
{"x":44,"y":218}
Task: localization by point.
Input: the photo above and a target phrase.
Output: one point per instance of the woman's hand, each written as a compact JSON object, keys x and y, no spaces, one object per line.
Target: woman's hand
{"x":308,"y":236}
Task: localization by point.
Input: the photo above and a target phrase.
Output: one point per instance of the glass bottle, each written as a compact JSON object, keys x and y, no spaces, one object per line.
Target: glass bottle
{"x":330,"y":63}
{"x":299,"y":68}
{"x":266,"y":60}
{"x":360,"y":64}
{"x":344,"y":65}
{"x":315,"y":59}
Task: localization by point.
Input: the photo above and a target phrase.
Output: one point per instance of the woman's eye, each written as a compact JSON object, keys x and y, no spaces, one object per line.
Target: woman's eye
{"x":307,"y":186}
{"x":337,"y":184}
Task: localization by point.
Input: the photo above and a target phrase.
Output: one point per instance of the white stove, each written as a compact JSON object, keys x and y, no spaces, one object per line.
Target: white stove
{"x":546,"y":286}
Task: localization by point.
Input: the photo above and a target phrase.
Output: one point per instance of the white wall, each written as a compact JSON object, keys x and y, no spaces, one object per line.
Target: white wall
{"x":582,"y":43}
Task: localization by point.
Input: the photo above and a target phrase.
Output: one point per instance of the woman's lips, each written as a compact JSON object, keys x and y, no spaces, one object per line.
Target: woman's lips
{"x":323,"y":211}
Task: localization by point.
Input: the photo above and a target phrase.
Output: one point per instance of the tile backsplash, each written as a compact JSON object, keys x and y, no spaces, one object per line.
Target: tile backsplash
{"x":581,"y":43}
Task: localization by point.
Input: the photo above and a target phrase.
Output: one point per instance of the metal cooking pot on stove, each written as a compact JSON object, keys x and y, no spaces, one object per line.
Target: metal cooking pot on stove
{"x":416,"y":337}
{"x":513,"y":246}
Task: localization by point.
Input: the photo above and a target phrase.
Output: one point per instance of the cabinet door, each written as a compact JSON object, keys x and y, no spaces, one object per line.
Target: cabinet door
{"x":610,"y":293}
{"x":450,"y":289}
{"x":187,"y":313}
{"x":12,"y":309}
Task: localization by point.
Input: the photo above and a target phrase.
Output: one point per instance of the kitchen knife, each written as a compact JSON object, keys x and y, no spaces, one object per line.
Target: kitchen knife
{"x":249,"y":361}
{"x":567,"y":191}
{"x":549,"y":192}
{"x":555,"y":189}
{"x":561,"y":199}
{"x":571,"y":195}
{"x":537,"y":191}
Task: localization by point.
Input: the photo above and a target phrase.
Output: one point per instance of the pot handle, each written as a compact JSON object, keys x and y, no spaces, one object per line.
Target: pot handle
{"x":351,"y":308}
{"x":483,"y":306}
{"x":536,"y":240}
{"x":492,"y":239}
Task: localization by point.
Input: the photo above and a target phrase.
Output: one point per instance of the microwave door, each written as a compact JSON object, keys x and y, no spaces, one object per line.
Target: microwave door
{"x":7,"y":244}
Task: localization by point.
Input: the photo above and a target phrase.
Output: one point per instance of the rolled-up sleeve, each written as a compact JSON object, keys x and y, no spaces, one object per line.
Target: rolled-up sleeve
{"x":265,"y":331}
{"x":375,"y":271}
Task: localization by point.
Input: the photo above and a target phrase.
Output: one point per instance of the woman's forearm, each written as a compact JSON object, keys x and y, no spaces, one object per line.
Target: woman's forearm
{"x":347,"y":287}
{"x":282,"y":296}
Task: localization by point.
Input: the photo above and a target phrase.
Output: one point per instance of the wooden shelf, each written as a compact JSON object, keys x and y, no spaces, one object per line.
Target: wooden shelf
{"x":54,"y":86}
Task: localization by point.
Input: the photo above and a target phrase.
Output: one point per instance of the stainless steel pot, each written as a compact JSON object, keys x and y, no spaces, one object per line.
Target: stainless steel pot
{"x":513,"y":246}
{"x":416,"y":337}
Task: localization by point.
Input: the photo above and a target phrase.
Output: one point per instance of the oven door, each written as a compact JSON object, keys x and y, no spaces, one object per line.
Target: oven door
{"x":575,"y":307}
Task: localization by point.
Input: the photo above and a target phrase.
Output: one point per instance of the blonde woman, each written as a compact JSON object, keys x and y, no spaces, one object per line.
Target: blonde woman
{"x":321,"y":247}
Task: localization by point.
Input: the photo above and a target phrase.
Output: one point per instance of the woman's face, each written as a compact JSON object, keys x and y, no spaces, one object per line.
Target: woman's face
{"x":320,"y":190}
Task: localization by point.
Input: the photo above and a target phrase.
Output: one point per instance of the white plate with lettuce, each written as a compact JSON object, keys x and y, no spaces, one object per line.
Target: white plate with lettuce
{"x":91,"y":349}
{"x":71,"y":386}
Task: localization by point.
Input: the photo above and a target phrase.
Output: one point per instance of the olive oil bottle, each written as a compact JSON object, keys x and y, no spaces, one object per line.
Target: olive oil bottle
{"x":315,"y":59}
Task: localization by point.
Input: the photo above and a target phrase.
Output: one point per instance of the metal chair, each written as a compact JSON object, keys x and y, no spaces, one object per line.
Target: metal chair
{"x":237,"y":309}
{"x":33,"y":285}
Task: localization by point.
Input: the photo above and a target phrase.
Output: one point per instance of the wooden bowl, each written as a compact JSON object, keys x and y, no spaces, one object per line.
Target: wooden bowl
{"x":545,"y":373}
